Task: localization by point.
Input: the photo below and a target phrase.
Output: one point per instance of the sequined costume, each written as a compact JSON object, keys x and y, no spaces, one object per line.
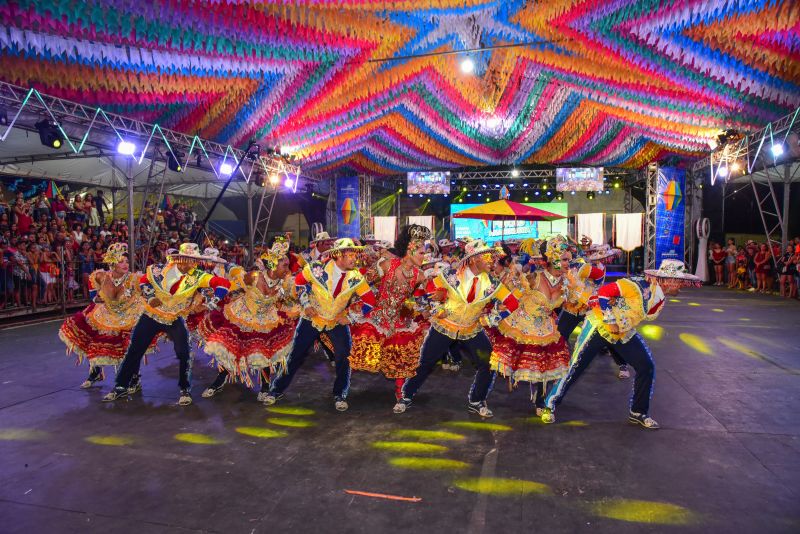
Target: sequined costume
{"x":527,"y":346}
{"x":389,"y":340}
{"x":253,"y":331}
{"x":100,"y":333}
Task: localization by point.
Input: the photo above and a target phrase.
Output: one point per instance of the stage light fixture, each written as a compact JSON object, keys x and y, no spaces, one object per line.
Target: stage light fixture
{"x":559,"y":195}
{"x":226,"y":169}
{"x":617,"y":184}
{"x":487,"y":199}
{"x":544,"y":186}
{"x":722,"y":172}
{"x":515,"y":173}
{"x":572,"y":192}
{"x":467,"y":65}
{"x":3,"y":116}
{"x":590,"y":195}
{"x":526,"y":199}
{"x":524,"y":185}
{"x":536,"y":193}
{"x":289,"y":183}
{"x":608,"y":191}
{"x":126,"y":148}
{"x":274,"y":179}
{"x":777,"y":150}
{"x":400,"y":190}
{"x":174,"y":161}
{"x":735,"y":166}
{"x":464,"y":188}
{"x":49,"y":133}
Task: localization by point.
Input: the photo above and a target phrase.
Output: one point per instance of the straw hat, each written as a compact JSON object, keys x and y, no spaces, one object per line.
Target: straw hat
{"x":321,"y":236}
{"x":672,"y":270}
{"x":191,"y":251}
{"x":476,"y":248}
{"x":345,"y":244}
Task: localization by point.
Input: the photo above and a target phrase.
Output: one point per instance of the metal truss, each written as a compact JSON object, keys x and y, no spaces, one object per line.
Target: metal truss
{"x":769,"y":211}
{"x":693,"y":212}
{"x":330,"y":209}
{"x":365,"y":204}
{"x":651,"y":180}
{"x":748,"y":149}
{"x":87,"y":126}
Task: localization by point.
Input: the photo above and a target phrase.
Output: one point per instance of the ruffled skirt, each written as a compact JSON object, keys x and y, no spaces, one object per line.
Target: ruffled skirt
{"x":524,"y":362}
{"x":243,"y":352}
{"x":395,"y":356}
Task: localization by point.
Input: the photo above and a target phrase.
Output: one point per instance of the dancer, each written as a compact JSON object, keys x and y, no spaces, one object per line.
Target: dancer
{"x":389,"y":340}
{"x":456,"y":325}
{"x":619,"y":308}
{"x":527,"y":346}
{"x":100,"y":333}
{"x":250,"y":335}
{"x":325,"y":291}
{"x":169,"y":290}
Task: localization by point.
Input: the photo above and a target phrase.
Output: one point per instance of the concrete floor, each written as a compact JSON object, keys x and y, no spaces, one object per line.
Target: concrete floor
{"x":727,"y":458}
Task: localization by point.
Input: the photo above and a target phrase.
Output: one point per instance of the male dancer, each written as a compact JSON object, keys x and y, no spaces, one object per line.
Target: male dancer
{"x":611,"y":323}
{"x":464,"y":294}
{"x":169,"y":291}
{"x":325,"y":291}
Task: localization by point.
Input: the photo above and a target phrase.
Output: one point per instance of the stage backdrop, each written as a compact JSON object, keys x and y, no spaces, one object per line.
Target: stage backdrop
{"x":491,"y":232}
{"x":670,"y":214}
{"x":347,"y":217}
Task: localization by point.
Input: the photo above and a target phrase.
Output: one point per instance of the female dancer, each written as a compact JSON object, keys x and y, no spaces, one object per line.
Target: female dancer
{"x":389,"y":340}
{"x":101,"y":332}
{"x":527,"y":346}
{"x":250,"y":335}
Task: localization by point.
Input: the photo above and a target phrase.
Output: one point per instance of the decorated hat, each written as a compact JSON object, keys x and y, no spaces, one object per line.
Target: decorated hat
{"x":672,"y":270}
{"x":115,"y":253}
{"x":476,"y":248}
{"x":604,"y":252}
{"x":191,"y":251}
{"x":444,"y":243}
{"x":274,"y":254}
{"x":321,"y":236}
{"x":344,"y":244}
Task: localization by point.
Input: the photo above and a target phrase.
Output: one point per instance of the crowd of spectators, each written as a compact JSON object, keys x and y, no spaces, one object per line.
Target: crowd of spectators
{"x":753,"y":267}
{"x":50,"y":246}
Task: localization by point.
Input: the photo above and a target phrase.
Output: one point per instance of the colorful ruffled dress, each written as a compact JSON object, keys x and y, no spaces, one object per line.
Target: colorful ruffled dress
{"x":526,"y":345}
{"x":389,"y":340}
{"x":100,"y":333}
{"x":251,"y":332}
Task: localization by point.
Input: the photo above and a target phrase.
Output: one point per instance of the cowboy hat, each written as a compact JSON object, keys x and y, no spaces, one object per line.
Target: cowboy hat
{"x":191,"y":251}
{"x":672,"y":270}
{"x":322,"y":236}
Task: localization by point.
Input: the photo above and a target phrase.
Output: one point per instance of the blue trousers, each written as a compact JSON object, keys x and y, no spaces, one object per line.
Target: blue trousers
{"x":437,"y":345}
{"x":634,"y":351}
{"x":143,"y":334}
{"x":304,"y":337}
{"x":568,"y":321}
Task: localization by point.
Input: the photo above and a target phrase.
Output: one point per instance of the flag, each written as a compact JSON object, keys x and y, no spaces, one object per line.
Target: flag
{"x":52,"y":191}
{"x":166,"y":204}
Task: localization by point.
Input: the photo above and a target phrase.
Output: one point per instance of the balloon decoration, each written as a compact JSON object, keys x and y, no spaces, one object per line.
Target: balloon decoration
{"x":362,"y":86}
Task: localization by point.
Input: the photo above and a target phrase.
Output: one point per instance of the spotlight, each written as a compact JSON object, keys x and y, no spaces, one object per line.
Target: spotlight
{"x":226,"y":169}
{"x":722,"y":172}
{"x":510,"y":185}
{"x":469,"y":194}
{"x":514,"y":173}
{"x":590,"y":195}
{"x":777,"y":150}
{"x":467,"y":65}
{"x":497,"y":186}
{"x":616,"y":185}
{"x":480,"y":194}
{"x":559,"y":195}
{"x":3,"y":116}
{"x":536,"y":193}
{"x":735,"y":166}
{"x":608,"y":191}
{"x":464,"y":188}
{"x":544,"y":186}
{"x":173,"y":161}
{"x":126,"y":148}
{"x":400,"y":190}
{"x":526,"y":199}
{"x":484,"y":186}
{"x":274,"y":179}
{"x":289,"y":183}
{"x":49,"y":133}
{"x":572,"y":192}
{"x":549,"y":193}
{"x":461,"y":200}
{"x":524,"y":185}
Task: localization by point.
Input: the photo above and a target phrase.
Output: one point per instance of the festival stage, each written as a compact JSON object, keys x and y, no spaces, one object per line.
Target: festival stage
{"x":727,"y":458}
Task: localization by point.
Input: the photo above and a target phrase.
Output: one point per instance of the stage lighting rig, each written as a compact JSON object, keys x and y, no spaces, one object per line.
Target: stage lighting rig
{"x":174,"y":161}
{"x":49,"y":133}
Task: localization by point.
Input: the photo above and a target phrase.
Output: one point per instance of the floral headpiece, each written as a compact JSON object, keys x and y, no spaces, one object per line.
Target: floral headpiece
{"x":278,"y":251}
{"x":115,"y":253}
{"x":555,"y":248}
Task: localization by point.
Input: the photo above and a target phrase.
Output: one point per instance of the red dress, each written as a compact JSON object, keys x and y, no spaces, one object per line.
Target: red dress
{"x":389,"y":340}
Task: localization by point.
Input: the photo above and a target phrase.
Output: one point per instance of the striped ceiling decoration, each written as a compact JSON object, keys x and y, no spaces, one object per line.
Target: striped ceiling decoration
{"x":373,"y":86}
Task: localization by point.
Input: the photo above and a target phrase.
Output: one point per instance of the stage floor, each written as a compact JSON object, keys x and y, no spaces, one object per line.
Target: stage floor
{"x":727,"y":458}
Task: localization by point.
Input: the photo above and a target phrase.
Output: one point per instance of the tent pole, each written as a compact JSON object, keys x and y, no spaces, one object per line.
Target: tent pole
{"x":113,"y":204}
{"x":250,"y":225}
{"x":131,"y":227}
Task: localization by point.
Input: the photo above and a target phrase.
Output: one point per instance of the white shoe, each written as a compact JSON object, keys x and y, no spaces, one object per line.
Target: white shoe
{"x":262,"y":396}
{"x":481,"y":409}
{"x":185,"y":399}
{"x":401,"y":406}
{"x":210,"y":392}
{"x":548,"y":416}
{"x":271,"y":399}
{"x":341,"y":405}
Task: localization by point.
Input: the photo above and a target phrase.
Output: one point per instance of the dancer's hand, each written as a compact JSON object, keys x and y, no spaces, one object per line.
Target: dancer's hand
{"x":310,"y":312}
{"x":440,"y":295}
{"x":613,"y":328}
{"x":154,"y":302}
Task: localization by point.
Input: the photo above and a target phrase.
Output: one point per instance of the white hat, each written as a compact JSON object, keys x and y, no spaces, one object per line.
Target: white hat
{"x":672,"y":270}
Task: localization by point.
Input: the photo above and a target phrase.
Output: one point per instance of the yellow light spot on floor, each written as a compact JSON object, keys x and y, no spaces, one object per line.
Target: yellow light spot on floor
{"x":652,"y":331}
{"x":471,"y":425}
{"x":695,"y":342}
{"x":718,"y":310}
{"x":431,"y":464}
{"x":21,"y":434}
{"x":113,"y":441}
{"x":409,"y":447}
{"x":502,"y":486}
{"x":263,"y":433}
{"x":291,"y":410}
{"x":427,"y":435}
{"x":197,"y":439}
{"x":739,"y":347}
{"x":694,"y":304}
{"x":574,"y":423}
{"x":658,"y":513}
{"x":290,"y":422}
{"x":744,"y":319}
{"x":674,"y":300}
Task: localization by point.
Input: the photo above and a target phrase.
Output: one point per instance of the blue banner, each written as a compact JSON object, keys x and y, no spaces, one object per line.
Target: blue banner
{"x":670,"y":214}
{"x":347,"y":218}
{"x":491,"y":231}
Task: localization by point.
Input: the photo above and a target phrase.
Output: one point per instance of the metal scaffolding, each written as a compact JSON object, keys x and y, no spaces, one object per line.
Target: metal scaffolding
{"x":651,"y":180}
{"x":365,"y":204}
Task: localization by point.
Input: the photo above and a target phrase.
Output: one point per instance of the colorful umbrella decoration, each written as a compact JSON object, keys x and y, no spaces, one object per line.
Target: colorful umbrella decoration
{"x":506,"y":210}
{"x":361,"y":86}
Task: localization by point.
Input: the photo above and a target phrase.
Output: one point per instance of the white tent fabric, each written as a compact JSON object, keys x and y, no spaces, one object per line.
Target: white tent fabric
{"x":628,"y":230}
{"x":591,"y":225}
{"x":385,"y":228}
